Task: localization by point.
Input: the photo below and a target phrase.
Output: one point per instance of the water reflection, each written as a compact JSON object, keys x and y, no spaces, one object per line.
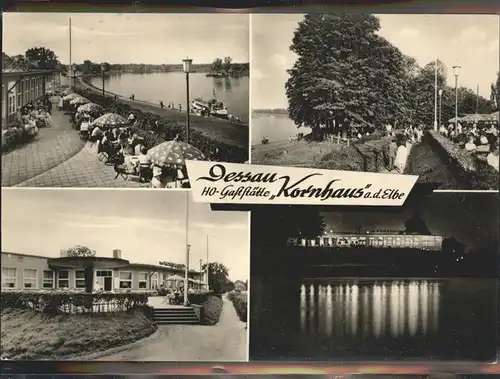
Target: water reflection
{"x":380,"y":309}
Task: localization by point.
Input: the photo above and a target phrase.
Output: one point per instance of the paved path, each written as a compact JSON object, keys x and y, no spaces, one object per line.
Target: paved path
{"x":226,"y":341}
{"x":54,"y":146}
{"x":82,"y":170}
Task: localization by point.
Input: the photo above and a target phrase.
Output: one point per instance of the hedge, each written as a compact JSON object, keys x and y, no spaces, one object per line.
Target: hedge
{"x":240,"y":302}
{"x":73,"y":302}
{"x":472,"y":172}
{"x":167,"y":130}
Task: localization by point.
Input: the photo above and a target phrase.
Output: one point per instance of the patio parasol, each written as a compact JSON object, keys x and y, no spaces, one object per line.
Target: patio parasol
{"x":175,"y":278}
{"x":71,"y":96}
{"x":79,"y":101}
{"x":174,"y":153}
{"x":66,"y":92}
{"x":91,"y":108}
{"x":110,"y":120}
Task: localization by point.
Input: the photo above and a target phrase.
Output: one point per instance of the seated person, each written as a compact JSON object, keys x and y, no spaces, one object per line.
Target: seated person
{"x":159,"y":179}
{"x":85,"y":125}
{"x":470,"y":145}
{"x":493,"y":158}
{"x":143,"y":158}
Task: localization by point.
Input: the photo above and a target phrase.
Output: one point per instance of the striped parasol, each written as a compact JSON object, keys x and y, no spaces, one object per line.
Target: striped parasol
{"x":79,"y":101}
{"x":71,"y":96}
{"x":91,"y":108}
{"x":174,"y":153}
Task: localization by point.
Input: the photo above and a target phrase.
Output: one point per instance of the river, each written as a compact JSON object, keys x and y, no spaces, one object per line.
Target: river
{"x":276,"y":127}
{"x":366,"y":319}
{"x":171,"y":87}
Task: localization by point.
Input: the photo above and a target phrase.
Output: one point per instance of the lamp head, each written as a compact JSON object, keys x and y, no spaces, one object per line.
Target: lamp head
{"x":186,"y":65}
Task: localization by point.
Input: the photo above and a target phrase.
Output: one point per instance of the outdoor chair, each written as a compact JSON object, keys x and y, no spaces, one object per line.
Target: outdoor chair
{"x":103,"y":151}
{"x":145,"y":173}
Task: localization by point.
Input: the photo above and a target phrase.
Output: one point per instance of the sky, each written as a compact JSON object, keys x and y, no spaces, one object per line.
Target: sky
{"x":130,"y":38}
{"x":472,"y":219}
{"x":148,"y":226}
{"x":470,"y":41}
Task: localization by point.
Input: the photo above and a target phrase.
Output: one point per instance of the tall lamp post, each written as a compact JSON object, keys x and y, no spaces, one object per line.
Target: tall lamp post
{"x":187,"y":69}
{"x":188,"y":248}
{"x":456,"y":71}
{"x":201,"y":271}
{"x":440,"y":105}
{"x":73,"y":71}
{"x":103,"y":70}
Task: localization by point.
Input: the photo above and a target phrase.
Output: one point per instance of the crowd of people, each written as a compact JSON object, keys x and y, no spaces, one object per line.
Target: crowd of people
{"x":125,"y":150}
{"x":479,"y":139}
{"x":27,"y":122}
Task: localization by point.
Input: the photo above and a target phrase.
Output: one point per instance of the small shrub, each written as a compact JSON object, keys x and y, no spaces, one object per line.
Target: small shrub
{"x":240,"y":302}
{"x":212,"y":309}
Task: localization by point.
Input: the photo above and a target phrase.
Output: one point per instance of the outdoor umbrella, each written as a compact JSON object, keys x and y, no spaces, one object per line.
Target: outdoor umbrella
{"x":91,"y":108}
{"x":174,"y":153}
{"x":71,"y":96}
{"x":175,"y":278}
{"x":79,"y":101}
{"x":110,"y":120}
{"x":66,"y":92}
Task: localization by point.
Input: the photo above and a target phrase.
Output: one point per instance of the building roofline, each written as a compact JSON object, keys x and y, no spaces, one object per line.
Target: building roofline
{"x":28,"y":73}
{"x":27,"y":255}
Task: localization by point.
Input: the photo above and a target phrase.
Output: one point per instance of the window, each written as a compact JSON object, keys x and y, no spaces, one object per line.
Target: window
{"x":9,"y":277}
{"x":125,"y":280}
{"x":48,"y":279}
{"x":63,"y":279}
{"x":143,"y":280}
{"x":154,"y":281}
{"x":29,"y":278}
{"x":79,"y":279}
{"x":326,"y":241}
{"x":104,"y":274}
{"x":26,"y":91}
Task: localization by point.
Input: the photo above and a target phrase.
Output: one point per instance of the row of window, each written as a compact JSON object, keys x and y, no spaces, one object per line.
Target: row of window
{"x":26,"y":90}
{"x":406,"y":241}
{"x":61,"y":279}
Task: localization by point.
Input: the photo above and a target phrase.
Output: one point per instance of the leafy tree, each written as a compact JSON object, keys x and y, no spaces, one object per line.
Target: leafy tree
{"x":495,"y":92}
{"x":416,"y":225}
{"x":80,"y":251}
{"x":45,"y":59}
{"x":216,"y":65}
{"x":218,"y":277}
{"x":227,"y":64}
{"x":345,"y":72}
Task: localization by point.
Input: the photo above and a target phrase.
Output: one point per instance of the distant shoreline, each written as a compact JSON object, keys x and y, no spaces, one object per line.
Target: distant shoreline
{"x":277,"y":111}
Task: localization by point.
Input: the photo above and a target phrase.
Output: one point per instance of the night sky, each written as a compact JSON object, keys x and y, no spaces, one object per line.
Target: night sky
{"x":472,"y":219}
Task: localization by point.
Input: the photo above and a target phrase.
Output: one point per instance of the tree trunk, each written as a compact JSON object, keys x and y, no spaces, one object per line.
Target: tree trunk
{"x":89,"y":278}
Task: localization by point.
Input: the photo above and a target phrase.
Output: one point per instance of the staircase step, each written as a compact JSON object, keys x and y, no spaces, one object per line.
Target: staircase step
{"x":179,"y":316}
{"x":175,"y":322}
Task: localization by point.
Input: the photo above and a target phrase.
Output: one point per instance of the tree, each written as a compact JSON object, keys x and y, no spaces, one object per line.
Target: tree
{"x":216,"y":65}
{"x":218,"y":277}
{"x":416,"y":225}
{"x":227,"y":64}
{"x":80,"y":251}
{"x":495,"y":92}
{"x":44,"y":59}
{"x":345,"y":72}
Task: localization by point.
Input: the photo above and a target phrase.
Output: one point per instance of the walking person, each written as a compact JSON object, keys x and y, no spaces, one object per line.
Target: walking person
{"x":393,"y":147}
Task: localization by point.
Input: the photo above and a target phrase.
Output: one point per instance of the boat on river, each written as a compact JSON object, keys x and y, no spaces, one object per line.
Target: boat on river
{"x":211,"y":107}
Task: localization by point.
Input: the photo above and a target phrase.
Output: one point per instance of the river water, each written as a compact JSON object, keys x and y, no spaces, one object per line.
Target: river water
{"x":171,"y":87}
{"x":276,"y":127}
{"x":374,"y":319}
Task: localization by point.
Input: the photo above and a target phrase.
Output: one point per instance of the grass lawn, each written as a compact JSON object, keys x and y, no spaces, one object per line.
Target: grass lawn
{"x":212,"y":308}
{"x":32,"y":335}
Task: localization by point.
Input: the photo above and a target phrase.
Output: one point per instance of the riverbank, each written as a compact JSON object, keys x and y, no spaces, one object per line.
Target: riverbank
{"x":207,"y":134}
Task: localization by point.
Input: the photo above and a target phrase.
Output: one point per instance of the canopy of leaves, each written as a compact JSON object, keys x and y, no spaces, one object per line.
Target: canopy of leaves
{"x":80,"y":251}
{"x":218,"y":277}
{"x":347,"y":73}
{"x":495,"y":92}
{"x":43,"y":58}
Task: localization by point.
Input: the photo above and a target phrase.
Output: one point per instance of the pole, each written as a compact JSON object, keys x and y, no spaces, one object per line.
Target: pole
{"x":477,"y":102}
{"x":70,"y":71}
{"x":456,"y":103}
{"x":208,"y":265}
{"x":435,"y":93}
{"x":201,"y":271}
{"x":440,"y":109}
{"x":187,"y":107}
{"x":186,"y":277}
{"x":103,"y":91}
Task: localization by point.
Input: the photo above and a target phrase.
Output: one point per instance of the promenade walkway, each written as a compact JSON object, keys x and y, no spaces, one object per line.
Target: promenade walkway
{"x":54,"y":146}
{"x":226,"y":341}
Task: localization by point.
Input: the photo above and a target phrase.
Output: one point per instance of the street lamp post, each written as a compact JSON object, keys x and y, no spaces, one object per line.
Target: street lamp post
{"x":187,"y":69}
{"x":440,"y":106}
{"x":456,"y":71}
{"x":201,"y":270}
{"x":103,"y":69}
{"x":73,"y":71}
{"x":188,"y":248}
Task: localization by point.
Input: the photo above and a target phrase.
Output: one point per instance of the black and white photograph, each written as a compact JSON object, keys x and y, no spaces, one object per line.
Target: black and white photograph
{"x":418,"y":282}
{"x":390,"y":93}
{"x":121,"y":100}
{"x":122,"y":276}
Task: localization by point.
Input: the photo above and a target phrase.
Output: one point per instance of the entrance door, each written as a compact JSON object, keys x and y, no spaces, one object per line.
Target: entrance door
{"x":108,"y":284}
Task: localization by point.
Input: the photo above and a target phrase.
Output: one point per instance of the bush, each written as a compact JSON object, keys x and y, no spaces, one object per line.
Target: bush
{"x":212,"y":309}
{"x":240,"y":302}
{"x":199,"y":298}
{"x":471,"y":171}
{"x":167,"y":130}
{"x":72,"y":302}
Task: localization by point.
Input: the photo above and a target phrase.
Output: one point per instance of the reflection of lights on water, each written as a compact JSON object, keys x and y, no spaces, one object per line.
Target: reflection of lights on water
{"x":413,"y":309}
{"x":303,"y":308}
{"x":397,"y":309}
{"x":354,"y":310}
